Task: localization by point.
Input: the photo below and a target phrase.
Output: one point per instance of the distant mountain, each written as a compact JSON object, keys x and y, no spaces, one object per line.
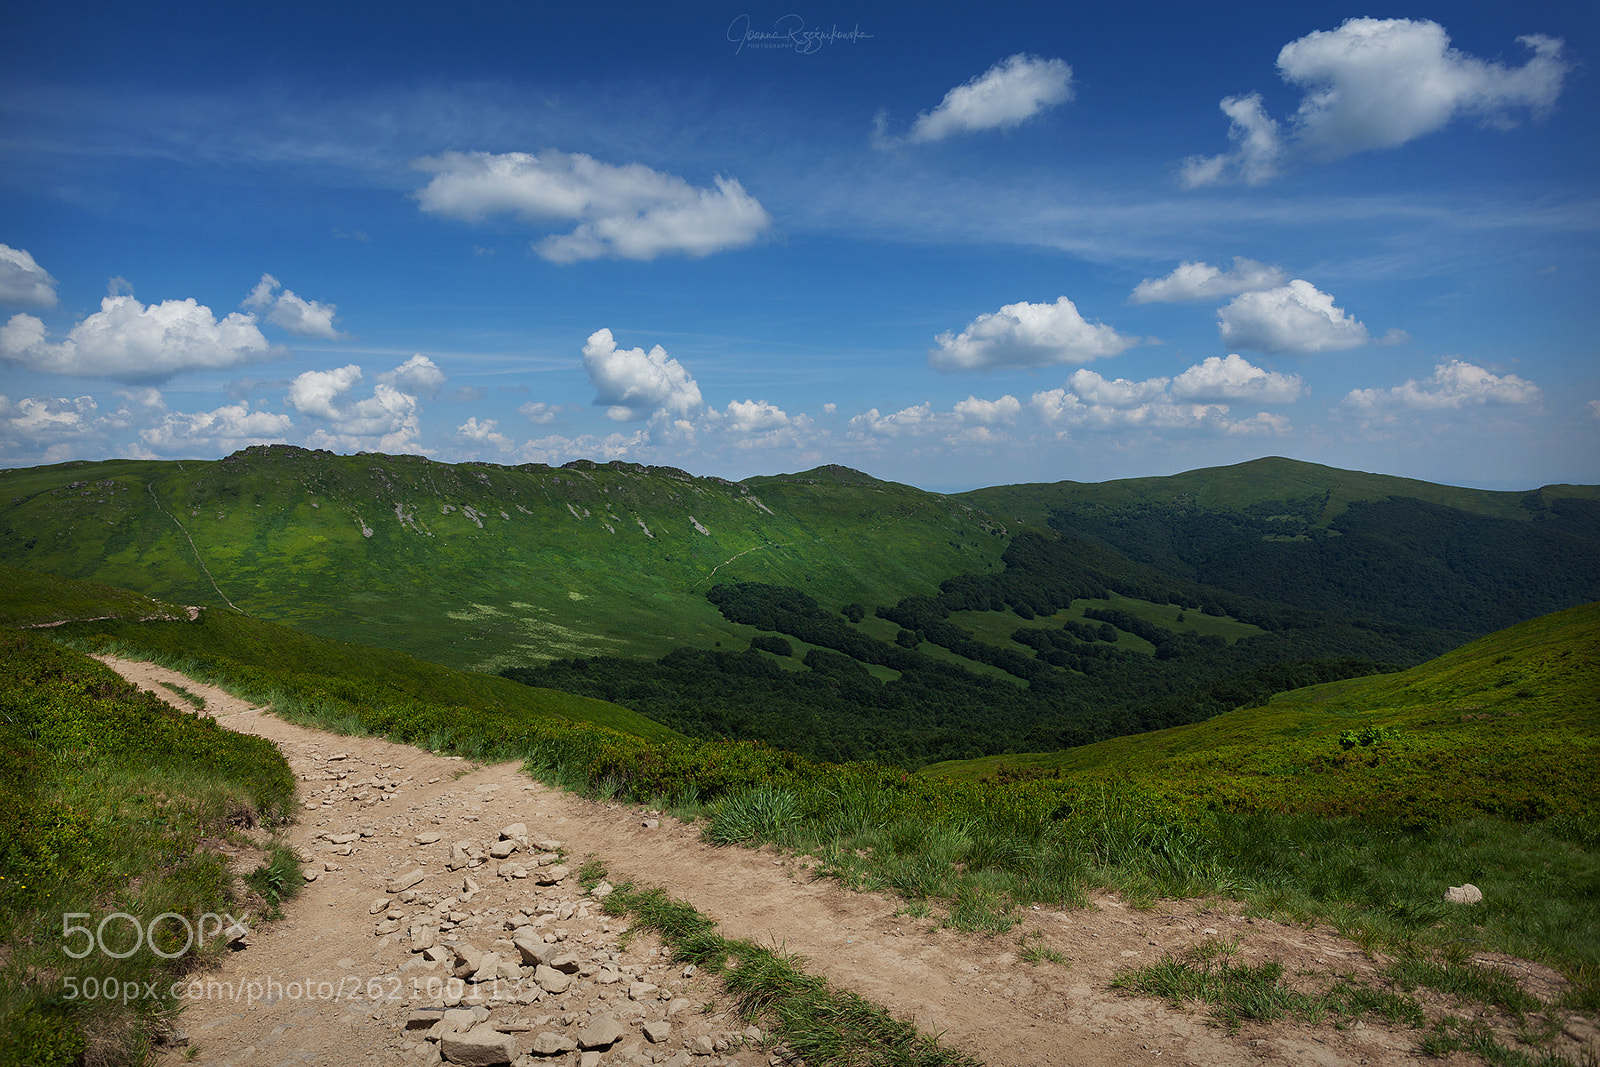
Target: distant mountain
{"x":923,"y":626}
{"x":475,"y":564}
{"x":1357,"y":544}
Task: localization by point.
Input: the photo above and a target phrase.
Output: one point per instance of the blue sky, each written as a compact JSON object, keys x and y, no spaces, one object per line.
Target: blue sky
{"x":948,"y":246}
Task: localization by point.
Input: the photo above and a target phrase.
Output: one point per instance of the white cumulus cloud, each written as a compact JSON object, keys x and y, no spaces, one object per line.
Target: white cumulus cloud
{"x":388,"y":418}
{"x":1027,"y":335}
{"x":539,"y":412}
{"x":486,"y":432}
{"x":23,"y":283}
{"x":634,"y":384}
{"x":419,"y":374}
{"x":1202,"y":281}
{"x":1194,"y":401}
{"x":1008,"y":93}
{"x":1297,"y":317}
{"x":1373,"y":84}
{"x":1001,"y":412}
{"x":127,"y":341}
{"x":754,"y":416}
{"x":45,"y":420}
{"x":628,"y":211}
{"x":1236,"y":378}
{"x":911,"y":421}
{"x":301,"y":317}
{"x":1454,"y":384}
{"x":226,"y":429}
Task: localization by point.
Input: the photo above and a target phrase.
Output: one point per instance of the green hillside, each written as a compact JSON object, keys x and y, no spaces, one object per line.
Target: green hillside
{"x":275,"y":663}
{"x":478,"y":565}
{"x":1508,"y":725}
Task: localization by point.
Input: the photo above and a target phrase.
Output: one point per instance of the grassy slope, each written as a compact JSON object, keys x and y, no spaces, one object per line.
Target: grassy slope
{"x":269,"y":656}
{"x":1255,"y":482}
{"x":478,"y":565}
{"x":1509,"y":724}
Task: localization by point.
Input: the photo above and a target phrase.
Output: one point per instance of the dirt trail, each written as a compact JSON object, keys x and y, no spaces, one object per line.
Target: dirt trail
{"x":972,"y":990}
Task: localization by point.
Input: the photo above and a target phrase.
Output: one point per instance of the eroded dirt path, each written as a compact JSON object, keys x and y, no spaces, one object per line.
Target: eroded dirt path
{"x":972,"y":990}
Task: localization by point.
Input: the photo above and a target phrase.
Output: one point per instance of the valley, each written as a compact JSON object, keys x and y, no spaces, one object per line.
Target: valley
{"x":1211,"y":696}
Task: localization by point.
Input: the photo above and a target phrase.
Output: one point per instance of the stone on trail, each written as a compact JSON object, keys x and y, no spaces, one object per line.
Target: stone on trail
{"x":657,"y":1031}
{"x":603,"y":1032}
{"x":501,"y":849}
{"x":488,"y":967}
{"x":551,"y":980}
{"x":517,"y":831}
{"x":380,"y":904}
{"x":533,"y":950}
{"x":551,"y":1043}
{"x":427,"y":838}
{"x":405,"y":881}
{"x":551,"y":875}
{"x":483,"y":1046}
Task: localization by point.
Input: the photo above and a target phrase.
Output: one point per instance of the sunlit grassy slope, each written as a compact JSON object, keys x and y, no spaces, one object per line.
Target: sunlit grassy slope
{"x":1260,"y":481}
{"x":265,"y":658}
{"x":1507,"y":725}
{"x":479,"y":565}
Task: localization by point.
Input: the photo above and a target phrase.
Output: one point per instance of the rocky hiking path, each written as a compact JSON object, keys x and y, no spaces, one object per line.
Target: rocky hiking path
{"x":425,"y":867}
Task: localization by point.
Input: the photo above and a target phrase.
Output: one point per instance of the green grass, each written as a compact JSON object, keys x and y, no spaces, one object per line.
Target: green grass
{"x":105,"y":797}
{"x":268,"y":663}
{"x":1507,"y":726}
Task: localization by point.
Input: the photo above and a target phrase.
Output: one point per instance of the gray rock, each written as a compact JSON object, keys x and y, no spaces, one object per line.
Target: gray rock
{"x":402,"y":882}
{"x":423,"y":1018}
{"x":551,"y":875}
{"x":488,"y":967}
{"x":602,"y":1032}
{"x":1463,"y":894}
{"x":551,"y":980}
{"x":534,"y":950}
{"x":657,"y":1030}
{"x":481,"y":1047}
{"x":551,"y":1043}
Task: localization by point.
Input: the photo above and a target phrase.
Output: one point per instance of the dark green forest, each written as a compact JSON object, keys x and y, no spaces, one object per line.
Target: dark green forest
{"x":1062,"y":686}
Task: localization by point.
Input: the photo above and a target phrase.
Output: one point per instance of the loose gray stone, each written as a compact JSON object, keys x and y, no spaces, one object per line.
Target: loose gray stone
{"x":551,"y":1043}
{"x":1463,"y":894}
{"x":402,"y":882}
{"x":603,"y":1032}
{"x":550,"y":980}
{"x":482,"y":1047}
{"x":657,"y":1030}
{"x":551,"y":875}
